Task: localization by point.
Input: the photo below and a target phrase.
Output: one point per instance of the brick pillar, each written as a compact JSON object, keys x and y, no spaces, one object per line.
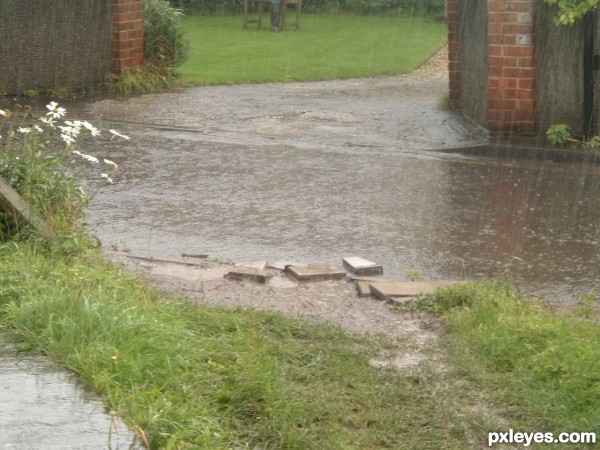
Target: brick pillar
{"x":511,"y":67}
{"x":127,"y":34}
{"x":452,"y":12}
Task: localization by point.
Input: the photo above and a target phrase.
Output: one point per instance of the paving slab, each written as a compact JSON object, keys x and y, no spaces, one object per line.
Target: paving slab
{"x":315,"y":273}
{"x":385,"y":290}
{"x":372,"y":278}
{"x":361,"y":266}
{"x":250,"y":274}
{"x":363,"y":288}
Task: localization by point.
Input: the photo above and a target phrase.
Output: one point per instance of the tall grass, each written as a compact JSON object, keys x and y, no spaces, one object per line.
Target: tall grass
{"x":325,"y":47}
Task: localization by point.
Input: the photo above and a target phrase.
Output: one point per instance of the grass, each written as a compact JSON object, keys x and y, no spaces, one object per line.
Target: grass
{"x":191,"y":376}
{"x":538,"y":371}
{"x":199,"y":377}
{"x":325,"y":47}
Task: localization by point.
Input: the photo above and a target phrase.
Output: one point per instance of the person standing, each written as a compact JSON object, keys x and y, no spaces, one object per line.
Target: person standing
{"x":275,"y":14}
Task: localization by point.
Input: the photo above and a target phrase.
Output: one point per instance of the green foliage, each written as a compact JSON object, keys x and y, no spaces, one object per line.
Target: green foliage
{"x":165,"y":44}
{"x":570,"y":11}
{"x":433,"y":8}
{"x":42,"y":164}
{"x":542,"y":370}
{"x":141,"y":79}
{"x":205,"y":378}
{"x":30,"y":93}
{"x":414,"y":275}
{"x":559,"y":134}
{"x":586,"y":305}
{"x":592,"y":143}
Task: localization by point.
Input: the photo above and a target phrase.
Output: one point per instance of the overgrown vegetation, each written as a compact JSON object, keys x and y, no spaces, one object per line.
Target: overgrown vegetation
{"x":433,"y":8}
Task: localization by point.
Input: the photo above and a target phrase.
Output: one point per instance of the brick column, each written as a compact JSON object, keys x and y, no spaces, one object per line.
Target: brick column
{"x":127,"y":34}
{"x":452,"y":12}
{"x":511,"y":67}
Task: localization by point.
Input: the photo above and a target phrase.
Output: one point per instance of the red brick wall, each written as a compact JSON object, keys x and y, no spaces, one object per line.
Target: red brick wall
{"x":511,"y":66}
{"x":453,"y":20}
{"x":511,"y":93}
{"x":127,"y":35}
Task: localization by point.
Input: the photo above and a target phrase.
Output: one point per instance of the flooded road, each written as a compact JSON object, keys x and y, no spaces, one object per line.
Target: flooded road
{"x":313,"y":172}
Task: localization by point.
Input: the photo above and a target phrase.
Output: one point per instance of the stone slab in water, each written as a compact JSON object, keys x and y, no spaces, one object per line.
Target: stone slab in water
{"x":385,"y":290}
{"x":249,"y":274}
{"x":315,"y":273}
{"x":361,"y":266}
{"x":363,"y":288}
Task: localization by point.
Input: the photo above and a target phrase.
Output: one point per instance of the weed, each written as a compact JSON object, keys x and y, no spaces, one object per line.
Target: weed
{"x":30,"y":93}
{"x":560,"y":135}
{"x":586,"y":305}
{"x":141,"y":79}
{"x":414,"y":275}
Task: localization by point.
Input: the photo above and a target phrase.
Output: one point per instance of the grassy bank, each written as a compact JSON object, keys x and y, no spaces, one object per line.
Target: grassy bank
{"x":542,"y":371}
{"x":197,"y":377}
{"x":325,"y":47}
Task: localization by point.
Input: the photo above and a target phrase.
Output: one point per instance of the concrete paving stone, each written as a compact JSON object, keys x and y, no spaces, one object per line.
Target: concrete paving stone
{"x":384,"y":290}
{"x":250,"y":274}
{"x":315,"y":273}
{"x":361,"y":266}
{"x":373,"y":278}
{"x":363,"y":289}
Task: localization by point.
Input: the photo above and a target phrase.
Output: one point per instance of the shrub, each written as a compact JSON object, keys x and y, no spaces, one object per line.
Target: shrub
{"x":165,"y":44}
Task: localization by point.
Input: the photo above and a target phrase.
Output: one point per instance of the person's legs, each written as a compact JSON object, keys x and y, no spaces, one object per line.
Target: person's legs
{"x":275,"y":14}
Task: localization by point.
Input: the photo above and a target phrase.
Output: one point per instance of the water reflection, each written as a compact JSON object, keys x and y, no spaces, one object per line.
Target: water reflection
{"x":448,"y":215}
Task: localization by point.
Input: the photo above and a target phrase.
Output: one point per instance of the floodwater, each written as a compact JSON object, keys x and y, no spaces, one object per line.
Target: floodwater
{"x":45,"y":407}
{"x":314,"y":172}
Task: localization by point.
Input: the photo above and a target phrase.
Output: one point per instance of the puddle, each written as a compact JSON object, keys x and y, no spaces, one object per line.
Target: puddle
{"x":45,"y":407}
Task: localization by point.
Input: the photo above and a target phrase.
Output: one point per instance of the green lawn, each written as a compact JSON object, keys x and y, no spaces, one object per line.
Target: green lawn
{"x":325,"y":47}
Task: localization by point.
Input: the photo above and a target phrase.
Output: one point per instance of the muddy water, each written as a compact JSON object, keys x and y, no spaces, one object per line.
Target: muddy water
{"x":44,"y":407}
{"x":346,"y":171}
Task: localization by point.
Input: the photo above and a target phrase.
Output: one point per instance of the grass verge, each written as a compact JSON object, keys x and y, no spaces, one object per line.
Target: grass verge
{"x":325,"y":47}
{"x":539,"y":371}
{"x":198,"y":377}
